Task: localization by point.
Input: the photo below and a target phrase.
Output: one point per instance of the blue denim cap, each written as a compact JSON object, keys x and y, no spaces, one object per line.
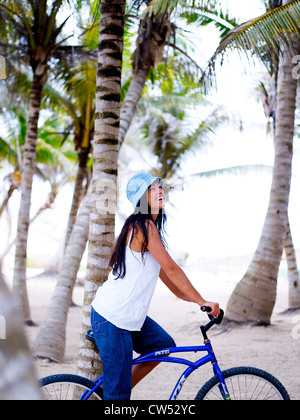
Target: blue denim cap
{"x":138,"y":185}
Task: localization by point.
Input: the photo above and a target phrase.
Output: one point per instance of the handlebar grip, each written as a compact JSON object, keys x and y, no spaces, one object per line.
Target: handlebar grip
{"x":206,"y":309}
{"x":219,"y":318}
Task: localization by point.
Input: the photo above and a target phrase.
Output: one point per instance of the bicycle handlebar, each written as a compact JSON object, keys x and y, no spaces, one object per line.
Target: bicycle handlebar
{"x":213,"y":321}
{"x":217,"y":320}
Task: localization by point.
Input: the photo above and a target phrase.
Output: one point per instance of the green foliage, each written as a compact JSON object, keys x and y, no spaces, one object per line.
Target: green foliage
{"x":72,"y":79}
{"x":262,"y":37}
{"x":50,"y":149}
{"x":170,"y":130}
{"x":179,"y":6}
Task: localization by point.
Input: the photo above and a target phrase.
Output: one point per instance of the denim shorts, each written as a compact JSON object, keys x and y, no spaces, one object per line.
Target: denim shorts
{"x":116,"y":351}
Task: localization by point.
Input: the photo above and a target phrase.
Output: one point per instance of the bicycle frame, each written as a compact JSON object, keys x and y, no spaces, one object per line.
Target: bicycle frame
{"x":160,"y":356}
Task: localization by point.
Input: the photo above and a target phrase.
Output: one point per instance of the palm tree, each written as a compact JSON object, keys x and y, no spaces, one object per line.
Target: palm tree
{"x":269,"y":101}
{"x":30,"y":34}
{"x":275,"y":32}
{"x":75,"y":98}
{"x":50,"y":341}
{"x":105,"y":168}
{"x":153,"y":36}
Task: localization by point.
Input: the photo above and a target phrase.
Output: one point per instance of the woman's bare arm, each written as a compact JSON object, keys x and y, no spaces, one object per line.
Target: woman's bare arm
{"x":171,"y":286}
{"x":174,"y":273}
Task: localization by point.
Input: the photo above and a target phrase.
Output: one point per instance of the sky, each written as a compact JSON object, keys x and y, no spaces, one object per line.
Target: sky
{"x":214,"y":217}
{"x":245,"y":10}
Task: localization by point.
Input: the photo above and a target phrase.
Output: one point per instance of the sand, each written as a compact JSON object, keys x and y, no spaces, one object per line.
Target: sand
{"x":275,"y":349}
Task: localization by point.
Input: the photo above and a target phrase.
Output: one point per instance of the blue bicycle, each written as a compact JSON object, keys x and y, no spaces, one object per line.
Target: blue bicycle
{"x":239,"y":383}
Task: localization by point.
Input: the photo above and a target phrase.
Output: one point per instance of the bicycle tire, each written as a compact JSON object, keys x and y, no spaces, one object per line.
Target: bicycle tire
{"x":62,"y":387}
{"x":245,"y":383}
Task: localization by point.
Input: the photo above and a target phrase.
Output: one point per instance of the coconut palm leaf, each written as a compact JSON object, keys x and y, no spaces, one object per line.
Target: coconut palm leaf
{"x":11,"y":146}
{"x":222,"y":20}
{"x":169,"y":132}
{"x":168,"y":6}
{"x":51,"y":156}
{"x":7,"y":153}
{"x":233,"y":170}
{"x":262,"y":36}
{"x":50,"y":149}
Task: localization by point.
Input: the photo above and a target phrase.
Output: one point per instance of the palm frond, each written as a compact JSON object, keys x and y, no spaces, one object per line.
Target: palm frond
{"x":7,"y":153}
{"x":52,"y":156}
{"x":202,"y":133}
{"x":234,"y":170}
{"x":222,"y":20}
{"x":262,"y":37}
{"x":160,"y":7}
{"x":171,"y":134}
{"x":52,"y":20}
{"x":57,"y":101}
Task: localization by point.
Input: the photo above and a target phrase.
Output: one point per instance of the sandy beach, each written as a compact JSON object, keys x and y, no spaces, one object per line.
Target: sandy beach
{"x":275,"y":349}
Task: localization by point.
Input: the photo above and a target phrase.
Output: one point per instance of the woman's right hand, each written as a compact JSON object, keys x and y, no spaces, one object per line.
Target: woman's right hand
{"x":215,"y":308}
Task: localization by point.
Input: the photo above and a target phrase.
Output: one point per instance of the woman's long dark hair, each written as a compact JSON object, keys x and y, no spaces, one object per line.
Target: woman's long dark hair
{"x":138,"y":220}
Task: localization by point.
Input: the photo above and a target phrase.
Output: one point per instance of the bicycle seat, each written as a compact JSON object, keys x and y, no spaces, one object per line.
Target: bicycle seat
{"x":90,"y":336}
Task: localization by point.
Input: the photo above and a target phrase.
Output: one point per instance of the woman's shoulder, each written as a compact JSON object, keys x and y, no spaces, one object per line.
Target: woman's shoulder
{"x":151,"y":228}
{"x":148,"y":224}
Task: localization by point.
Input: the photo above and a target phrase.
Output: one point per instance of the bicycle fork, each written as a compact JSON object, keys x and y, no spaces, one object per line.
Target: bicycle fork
{"x":217,"y":371}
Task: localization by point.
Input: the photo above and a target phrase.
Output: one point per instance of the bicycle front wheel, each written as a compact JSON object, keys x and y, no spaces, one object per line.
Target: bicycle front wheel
{"x":244,"y":383}
{"x":68,"y":387}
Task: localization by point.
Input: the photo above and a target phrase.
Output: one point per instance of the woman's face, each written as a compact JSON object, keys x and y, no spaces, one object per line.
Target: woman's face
{"x":156,"y":198}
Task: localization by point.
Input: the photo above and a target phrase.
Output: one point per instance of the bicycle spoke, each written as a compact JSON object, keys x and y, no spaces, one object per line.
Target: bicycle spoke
{"x":216,"y":395}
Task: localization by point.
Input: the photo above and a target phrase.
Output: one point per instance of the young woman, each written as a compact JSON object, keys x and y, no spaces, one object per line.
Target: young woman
{"x":119,"y":311}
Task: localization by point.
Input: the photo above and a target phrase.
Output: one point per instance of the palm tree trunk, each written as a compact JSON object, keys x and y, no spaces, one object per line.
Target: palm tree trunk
{"x":153,"y":36}
{"x":254,"y":297}
{"x":19,"y":282}
{"x":105,"y":170}
{"x":78,"y":195}
{"x":131,"y":100}
{"x":50,"y":341}
{"x":17,"y":377}
{"x":293,"y":273}
{"x":269,"y":101}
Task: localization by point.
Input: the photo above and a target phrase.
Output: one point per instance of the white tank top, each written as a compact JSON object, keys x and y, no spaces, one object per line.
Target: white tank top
{"x":125,"y":302}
